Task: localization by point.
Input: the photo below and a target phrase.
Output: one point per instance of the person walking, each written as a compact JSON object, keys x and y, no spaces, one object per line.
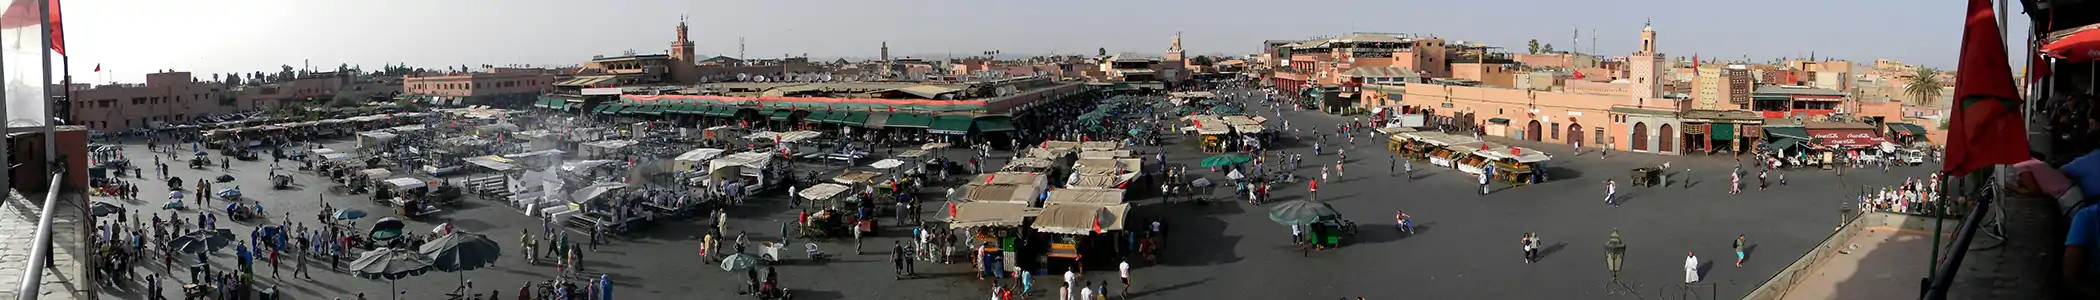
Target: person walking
{"x":1735,"y":183}
{"x":1392,"y":165}
{"x":1741,"y":240}
{"x":1691,"y":268}
{"x":1529,"y":248}
{"x":1408,"y":169}
{"x":1611,"y":189}
{"x":1124,"y":269}
{"x":1687,"y":184}
{"x":1483,"y":183}
{"x":1338,"y":169}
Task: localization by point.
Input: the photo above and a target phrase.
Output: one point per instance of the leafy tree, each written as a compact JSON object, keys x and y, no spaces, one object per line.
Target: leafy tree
{"x":1534,"y":45}
{"x":1923,"y":86}
{"x":1202,"y":60}
{"x":1548,"y":48}
{"x":215,"y":78}
{"x":345,"y":99}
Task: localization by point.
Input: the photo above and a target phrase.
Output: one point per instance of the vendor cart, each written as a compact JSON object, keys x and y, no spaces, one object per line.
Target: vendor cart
{"x":200,"y":163}
{"x":769,"y":251}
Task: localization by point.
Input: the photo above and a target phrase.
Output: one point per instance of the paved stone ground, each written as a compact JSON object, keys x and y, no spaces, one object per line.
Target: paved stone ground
{"x":1230,"y":250}
{"x":18,"y":219}
{"x":1881,"y":263}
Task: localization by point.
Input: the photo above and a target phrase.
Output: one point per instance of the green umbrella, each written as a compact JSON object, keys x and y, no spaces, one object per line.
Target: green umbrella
{"x":1301,"y":212}
{"x":1225,"y":160}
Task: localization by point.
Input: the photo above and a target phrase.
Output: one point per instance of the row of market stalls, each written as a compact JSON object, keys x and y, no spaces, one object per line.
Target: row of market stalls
{"x":1062,"y":202}
{"x":1511,"y":164}
{"x":1217,"y":134}
{"x":702,"y":111}
{"x":262,"y":135}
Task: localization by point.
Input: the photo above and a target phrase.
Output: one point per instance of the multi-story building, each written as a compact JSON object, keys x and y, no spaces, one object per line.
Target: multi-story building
{"x":1721,"y":87}
{"x":1787,"y":101}
{"x":166,"y":98}
{"x":480,"y":87}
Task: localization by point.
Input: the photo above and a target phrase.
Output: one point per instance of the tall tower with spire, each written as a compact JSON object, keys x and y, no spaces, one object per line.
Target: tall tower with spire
{"x":683,"y":67}
{"x":1174,"y":52}
{"x":1647,"y":68}
{"x":885,"y":60}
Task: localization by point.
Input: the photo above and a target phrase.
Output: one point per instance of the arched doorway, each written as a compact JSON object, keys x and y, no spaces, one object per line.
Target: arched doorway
{"x":1640,"y":136}
{"x":1575,"y":134}
{"x":1669,"y":139}
{"x":1534,"y":132}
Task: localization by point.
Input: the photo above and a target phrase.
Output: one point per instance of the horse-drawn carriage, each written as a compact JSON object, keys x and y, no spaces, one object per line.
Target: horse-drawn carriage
{"x":1647,"y":176}
{"x":200,"y":163}
{"x":281,"y":181}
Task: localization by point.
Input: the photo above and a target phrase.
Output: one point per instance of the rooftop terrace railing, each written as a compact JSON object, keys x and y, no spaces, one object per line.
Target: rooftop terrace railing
{"x":1942,"y":278}
{"x":33,"y":278}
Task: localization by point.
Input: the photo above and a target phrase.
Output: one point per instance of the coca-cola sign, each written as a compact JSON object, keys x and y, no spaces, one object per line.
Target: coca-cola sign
{"x":1853,"y":138}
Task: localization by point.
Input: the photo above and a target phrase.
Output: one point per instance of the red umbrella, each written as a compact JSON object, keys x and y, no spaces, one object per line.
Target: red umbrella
{"x":2075,"y":48}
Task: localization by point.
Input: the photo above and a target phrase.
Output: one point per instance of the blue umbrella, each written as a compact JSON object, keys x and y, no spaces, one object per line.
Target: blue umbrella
{"x":349,"y":214}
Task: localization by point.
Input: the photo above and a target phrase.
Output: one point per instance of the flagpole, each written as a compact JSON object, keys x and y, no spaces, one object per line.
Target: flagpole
{"x":6,"y":177}
{"x":50,"y":129}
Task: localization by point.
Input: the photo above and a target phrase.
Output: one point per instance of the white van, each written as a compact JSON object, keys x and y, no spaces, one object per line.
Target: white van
{"x":1910,"y":156}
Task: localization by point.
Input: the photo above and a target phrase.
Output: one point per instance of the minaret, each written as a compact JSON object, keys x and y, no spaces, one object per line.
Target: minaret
{"x":682,"y":48}
{"x":1174,"y":52}
{"x":885,"y":59}
{"x":1646,"y":67}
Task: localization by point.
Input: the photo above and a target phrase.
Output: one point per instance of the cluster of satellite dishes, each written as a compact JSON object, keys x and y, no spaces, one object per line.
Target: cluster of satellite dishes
{"x":790,"y":77}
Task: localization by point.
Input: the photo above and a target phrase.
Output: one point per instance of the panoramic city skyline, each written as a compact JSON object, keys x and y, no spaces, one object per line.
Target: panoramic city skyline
{"x":226,"y":36}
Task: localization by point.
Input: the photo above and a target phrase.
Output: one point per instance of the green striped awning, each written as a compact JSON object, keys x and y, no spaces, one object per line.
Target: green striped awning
{"x":853,"y":118}
{"x":611,"y":108}
{"x":949,"y":125}
{"x":995,"y":124}
{"x":781,"y":114}
{"x":909,"y":120}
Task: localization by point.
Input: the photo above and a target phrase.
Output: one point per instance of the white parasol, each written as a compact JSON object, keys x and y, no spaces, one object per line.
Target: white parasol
{"x":1235,"y":175}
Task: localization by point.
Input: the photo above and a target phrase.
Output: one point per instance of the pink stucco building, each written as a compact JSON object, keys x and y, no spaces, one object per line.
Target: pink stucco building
{"x":165,"y":98}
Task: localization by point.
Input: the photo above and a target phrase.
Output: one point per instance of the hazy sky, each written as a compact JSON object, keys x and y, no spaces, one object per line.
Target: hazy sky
{"x":132,"y":37}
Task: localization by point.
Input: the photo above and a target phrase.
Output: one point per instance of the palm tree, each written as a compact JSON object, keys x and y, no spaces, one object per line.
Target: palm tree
{"x":1924,"y":86}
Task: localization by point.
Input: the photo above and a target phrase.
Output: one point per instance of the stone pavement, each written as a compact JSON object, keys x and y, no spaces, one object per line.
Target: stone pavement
{"x":66,"y":278}
{"x":2021,"y":265}
{"x":1878,"y":263}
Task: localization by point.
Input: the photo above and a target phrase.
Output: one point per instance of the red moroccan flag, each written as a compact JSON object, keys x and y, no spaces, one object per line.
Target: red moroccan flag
{"x":951,"y":210}
{"x":1986,"y":128}
{"x":23,"y":13}
{"x":98,"y":67}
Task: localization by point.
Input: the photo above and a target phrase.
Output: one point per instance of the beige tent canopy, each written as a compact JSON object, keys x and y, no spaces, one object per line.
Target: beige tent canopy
{"x":987,"y":214}
{"x":1015,"y":193}
{"x":1080,"y":219}
{"x":912,"y":154}
{"x":1101,"y":181}
{"x":1024,"y":178}
{"x":1099,"y":146}
{"x":1087,"y":196}
{"x":1519,"y":154}
{"x":1026,"y":164}
{"x":1394,"y":130}
{"x":1068,"y":145}
{"x":1099,"y":166}
{"x":822,"y":192}
{"x":1106,"y":154}
{"x":854,"y":177}
{"x":931,"y":146}
{"x":1048,"y":153}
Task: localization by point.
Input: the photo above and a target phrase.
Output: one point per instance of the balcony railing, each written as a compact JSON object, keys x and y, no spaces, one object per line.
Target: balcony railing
{"x":33,"y":278}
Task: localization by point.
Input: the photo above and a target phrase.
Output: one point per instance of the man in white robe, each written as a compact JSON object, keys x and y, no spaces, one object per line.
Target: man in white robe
{"x":1691,"y":268}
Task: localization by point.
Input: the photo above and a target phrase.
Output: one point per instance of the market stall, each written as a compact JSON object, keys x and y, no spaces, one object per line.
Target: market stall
{"x":1081,"y":230}
{"x":695,"y":159}
{"x":1516,"y":165}
{"x":1013,"y":193}
{"x":1463,"y":159}
{"x":606,"y":148}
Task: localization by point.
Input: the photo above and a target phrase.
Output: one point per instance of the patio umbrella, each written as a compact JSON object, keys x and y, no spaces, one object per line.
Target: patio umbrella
{"x":886,"y":163}
{"x":201,"y":241}
{"x":461,"y":251}
{"x":104,"y":208}
{"x":391,"y":264}
{"x":1301,"y":212}
{"x":349,"y":214}
{"x":2076,"y":47}
{"x":1225,"y":160}
{"x":738,"y":262}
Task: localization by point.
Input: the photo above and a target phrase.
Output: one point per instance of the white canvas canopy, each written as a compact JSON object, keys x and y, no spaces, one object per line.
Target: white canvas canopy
{"x":337,"y":157}
{"x":784,"y":137}
{"x":586,"y":194}
{"x":376,"y":173}
{"x":741,"y":159}
{"x":406,"y":182}
{"x":492,"y":162}
{"x":821,"y":192}
{"x":587,"y":165}
{"x":912,"y":154}
{"x":1391,"y":130}
{"x":691,"y":160}
{"x":1519,"y":154}
{"x":931,"y":146}
{"x":1110,"y":154}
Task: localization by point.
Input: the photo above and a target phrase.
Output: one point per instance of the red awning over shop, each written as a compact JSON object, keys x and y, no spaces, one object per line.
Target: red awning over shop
{"x":1845,"y":138}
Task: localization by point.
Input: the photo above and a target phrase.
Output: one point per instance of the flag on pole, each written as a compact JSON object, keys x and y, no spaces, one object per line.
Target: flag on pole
{"x":1986,"y":128}
{"x":21,"y":46}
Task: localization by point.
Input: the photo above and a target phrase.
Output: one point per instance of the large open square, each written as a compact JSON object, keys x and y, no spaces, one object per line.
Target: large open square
{"x":1223,"y":249}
